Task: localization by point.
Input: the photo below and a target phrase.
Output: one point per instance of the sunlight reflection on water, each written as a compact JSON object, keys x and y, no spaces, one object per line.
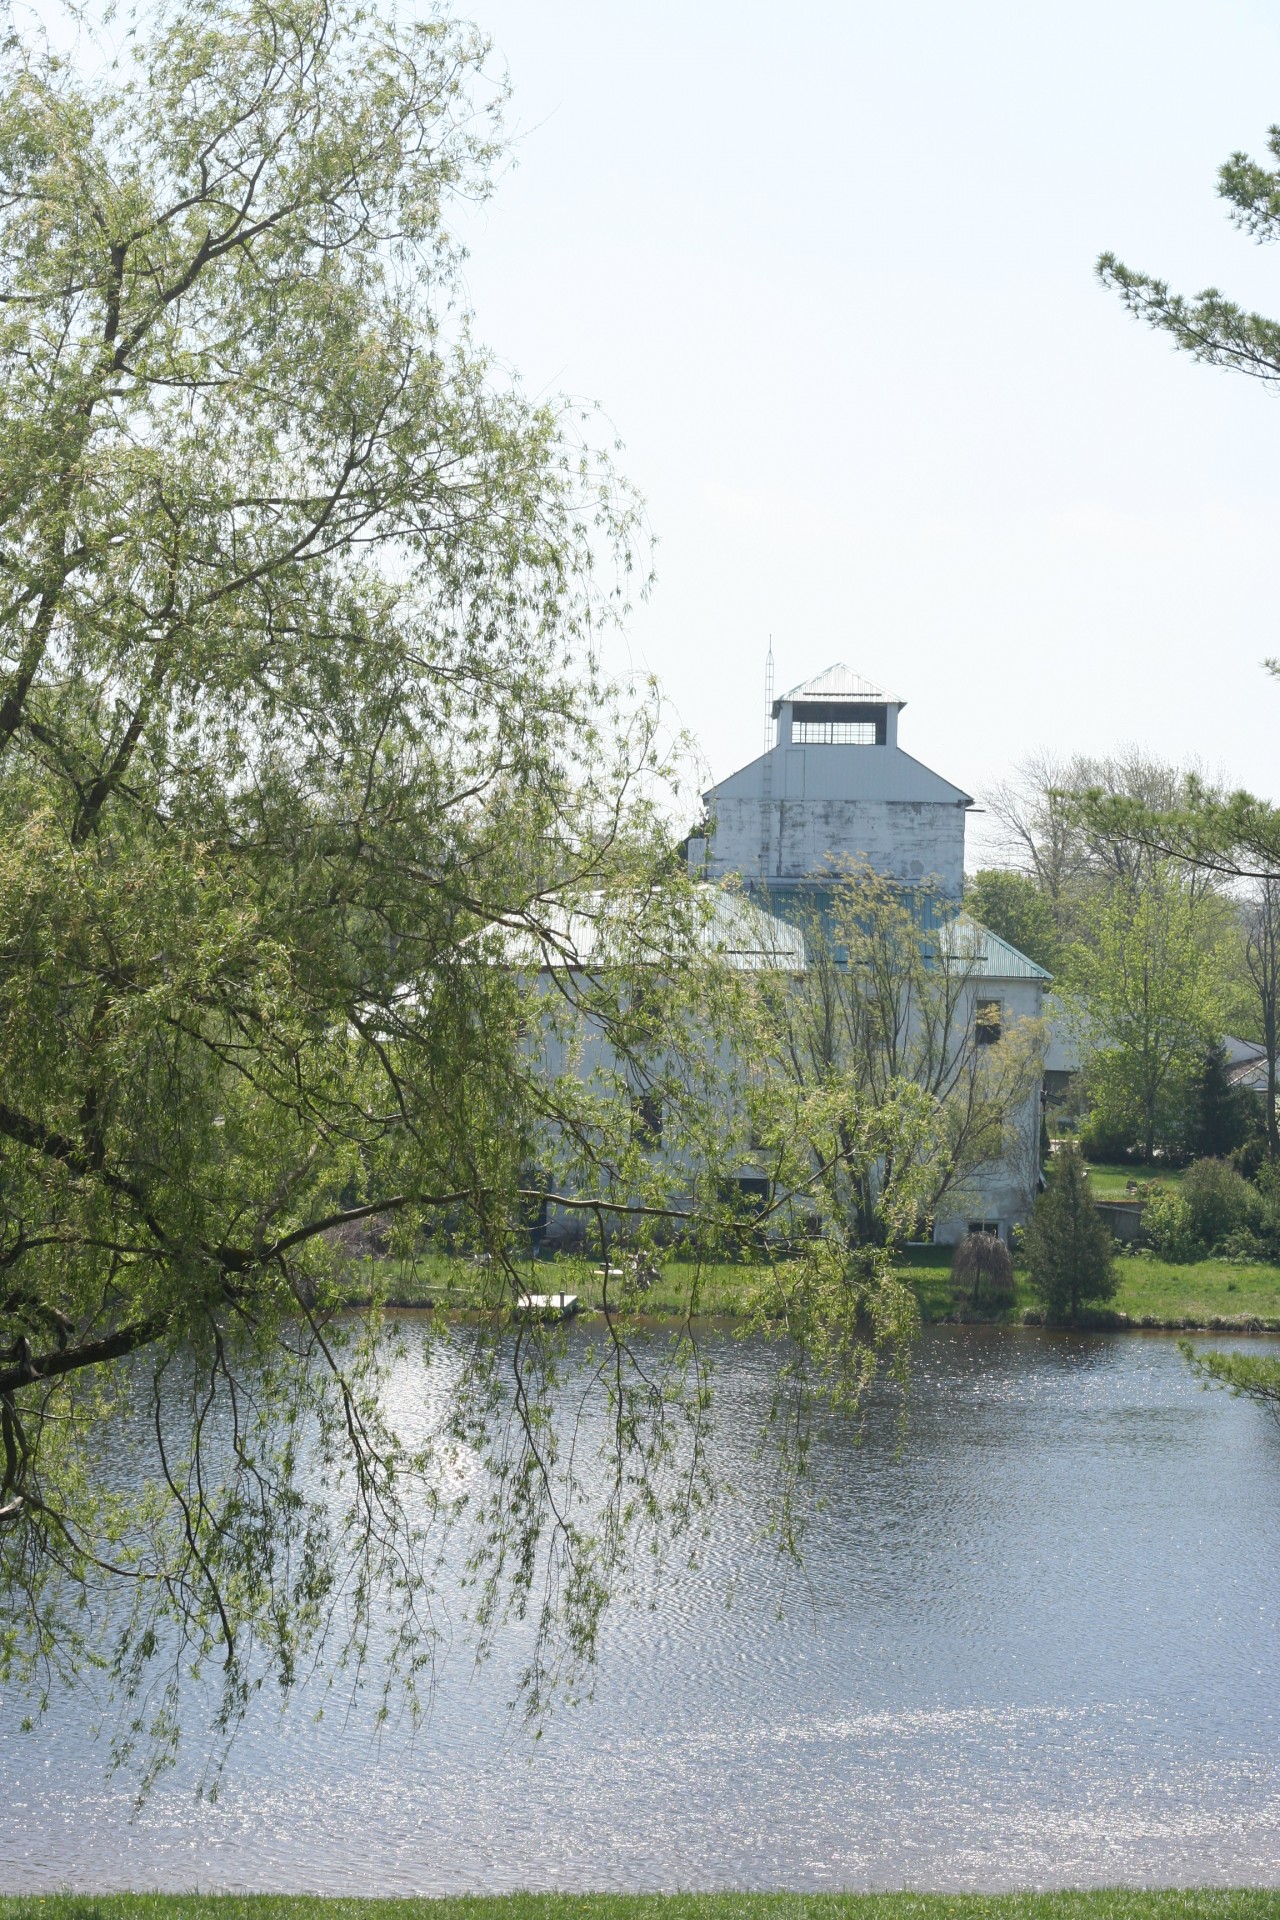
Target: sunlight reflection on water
{"x":1037,"y":1647}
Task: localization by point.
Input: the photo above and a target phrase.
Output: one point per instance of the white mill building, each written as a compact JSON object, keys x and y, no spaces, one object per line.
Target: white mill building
{"x":835,"y":783}
{"x":836,"y":788}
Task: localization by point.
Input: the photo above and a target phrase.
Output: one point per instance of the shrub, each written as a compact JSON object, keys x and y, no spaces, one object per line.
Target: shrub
{"x":1219,"y":1201}
{"x":1069,"y":1248}
{"x":1102,"y":1138}
{"x":1168,"y":1225}
{"x":1265,"y":1224}
{"x":1250,"y":1157}
{"x":1243,"y":1248}
{"x":982,"y":1263}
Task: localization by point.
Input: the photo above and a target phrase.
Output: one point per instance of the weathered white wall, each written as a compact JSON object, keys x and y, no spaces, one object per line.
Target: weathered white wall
{"x":1005,"y":1190}
{"x":790,"y":813}
{"x":789,"y":839}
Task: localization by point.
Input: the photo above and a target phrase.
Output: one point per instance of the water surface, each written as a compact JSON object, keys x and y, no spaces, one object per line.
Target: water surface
{"x":1038,"y":1646}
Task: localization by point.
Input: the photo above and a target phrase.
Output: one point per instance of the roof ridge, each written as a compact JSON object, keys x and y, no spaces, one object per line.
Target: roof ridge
{"x":1032,"y":967}
{"x":840,"y":682}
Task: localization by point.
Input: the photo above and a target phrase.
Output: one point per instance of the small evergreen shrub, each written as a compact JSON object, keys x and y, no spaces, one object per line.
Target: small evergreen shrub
{"x":1250,"y":1157}
{"x":1218,"y":1112}
{"x":982,"y":1271}
{"x":1069,"y":1248}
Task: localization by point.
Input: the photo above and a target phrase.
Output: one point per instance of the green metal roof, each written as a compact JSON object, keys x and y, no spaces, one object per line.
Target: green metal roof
{"x":992,"y":957}
{"x":597,"y":931}
{"x":730,"y":925}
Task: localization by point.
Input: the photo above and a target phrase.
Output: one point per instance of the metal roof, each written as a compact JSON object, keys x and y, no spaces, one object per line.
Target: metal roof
{"x":599,"y":931}
{"x":729,"y":925}
{"x":846,"y":773}
{"x":986,"y":953}
{"x":841,"y":683}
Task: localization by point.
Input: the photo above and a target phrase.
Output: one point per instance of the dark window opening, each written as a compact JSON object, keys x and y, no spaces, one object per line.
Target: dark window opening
{"x":834,"y":733}
{"x":646,"y":1119}
{"x":985,"y":1226}
{"x":838,"y":723}
{"x":986,"y":1024}
{"x":753,"y":1201}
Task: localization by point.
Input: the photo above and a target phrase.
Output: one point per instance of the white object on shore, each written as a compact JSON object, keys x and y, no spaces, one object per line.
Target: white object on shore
{"x":548,"y":1306}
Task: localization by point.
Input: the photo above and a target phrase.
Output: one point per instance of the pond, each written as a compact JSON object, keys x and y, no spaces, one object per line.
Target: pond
{"x":1036,"y":1645}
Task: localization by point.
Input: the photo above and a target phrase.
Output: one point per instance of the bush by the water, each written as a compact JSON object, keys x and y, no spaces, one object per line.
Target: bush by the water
{"x":1214,"y":1208}
{"x":1069,"y":1249}
{"x":1167,"y":1223}
{"x":1219,"y":1199}
{"x":982,"y":1271}
{"x":1256,"y":1233}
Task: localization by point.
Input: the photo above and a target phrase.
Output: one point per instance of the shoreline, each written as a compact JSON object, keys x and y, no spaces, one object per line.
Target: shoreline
{"x":1030,"y":1320}
{"x":1100,"y":1903}
{"x":1205,"y":1297}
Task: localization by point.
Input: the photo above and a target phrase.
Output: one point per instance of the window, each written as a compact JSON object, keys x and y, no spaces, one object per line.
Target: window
{"x":834,"y":733}
{"x":839,"y":723}
{"x":985,"y":1226}
{"x":986,"y":1022}
{"x":753,"y":1201}
{"x":646,"y":1119}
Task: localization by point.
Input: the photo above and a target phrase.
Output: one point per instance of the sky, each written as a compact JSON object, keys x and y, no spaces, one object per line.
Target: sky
{"x":828,"y":271}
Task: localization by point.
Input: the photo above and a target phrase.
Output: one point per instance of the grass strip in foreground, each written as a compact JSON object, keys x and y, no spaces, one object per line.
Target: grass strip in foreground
{"x":1106,"y":1903}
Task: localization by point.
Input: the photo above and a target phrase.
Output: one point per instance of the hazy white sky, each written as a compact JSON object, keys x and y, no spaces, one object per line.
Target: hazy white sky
{"x":829,"y":270}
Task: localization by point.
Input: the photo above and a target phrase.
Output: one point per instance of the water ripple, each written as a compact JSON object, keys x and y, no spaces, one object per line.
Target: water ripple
{"x":1036,"y":1645}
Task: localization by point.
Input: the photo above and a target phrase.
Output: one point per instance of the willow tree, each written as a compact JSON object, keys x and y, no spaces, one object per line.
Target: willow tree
{"x":884,"y":1028}
{"x":309,"y":782}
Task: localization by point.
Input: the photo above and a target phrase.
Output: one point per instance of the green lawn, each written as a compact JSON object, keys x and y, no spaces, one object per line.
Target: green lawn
{"x":1112,"y":1182}
{"x":457,"y":1285}
{"x":1150,"y":1289}
{"x":1204,"y":1291}
{"x":1104,"y":1904}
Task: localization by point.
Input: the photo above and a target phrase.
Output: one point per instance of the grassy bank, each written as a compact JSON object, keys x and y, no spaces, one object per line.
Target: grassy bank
{"x":1152,"y":1292}
{"x":1202,"y":1292}
{"x":1103,"y":1904}
{"x":459,"y":1286}
{"x":1112,"y":1180}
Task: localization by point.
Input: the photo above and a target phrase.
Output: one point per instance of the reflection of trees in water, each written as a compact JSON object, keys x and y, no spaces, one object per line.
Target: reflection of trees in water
{"x":997,"y":1422}
{"x":1064,"y":1520}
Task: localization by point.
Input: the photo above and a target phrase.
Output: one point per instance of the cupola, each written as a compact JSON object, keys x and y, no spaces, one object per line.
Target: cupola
{"x":838,"y":708}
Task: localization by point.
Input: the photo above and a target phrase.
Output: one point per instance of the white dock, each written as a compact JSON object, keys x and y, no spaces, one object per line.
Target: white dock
{"x":548,"y":1306}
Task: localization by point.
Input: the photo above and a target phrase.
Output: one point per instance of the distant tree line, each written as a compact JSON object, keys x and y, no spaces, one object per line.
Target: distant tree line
{"x":1154,"y":957}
